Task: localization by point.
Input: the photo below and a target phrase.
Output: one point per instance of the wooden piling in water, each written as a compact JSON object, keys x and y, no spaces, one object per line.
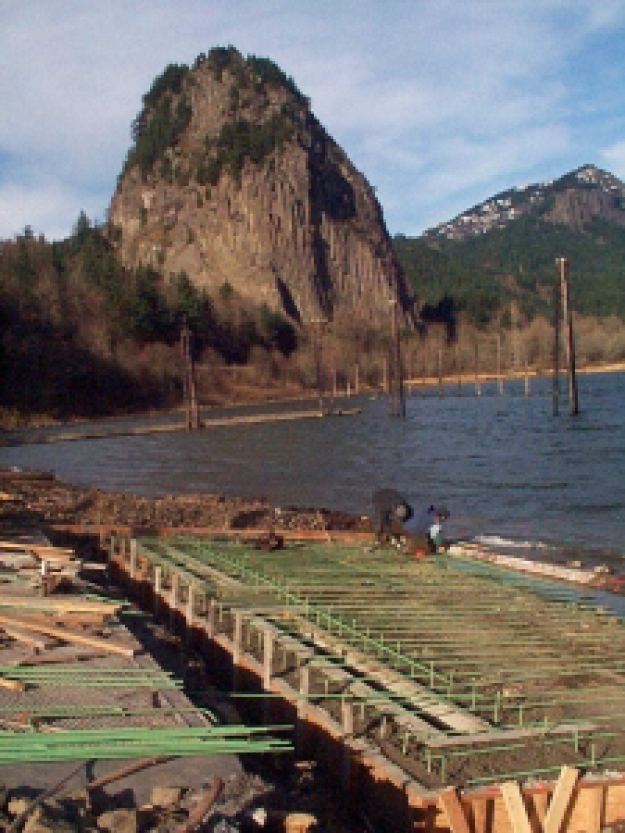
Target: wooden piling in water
{"x":396,"y":382}
{"x":555,"y":389}
{"x":567,"y":317}
{"x":188,"y":381}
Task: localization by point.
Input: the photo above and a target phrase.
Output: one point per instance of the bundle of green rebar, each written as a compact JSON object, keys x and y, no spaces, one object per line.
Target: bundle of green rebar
{"x":113,"y":744}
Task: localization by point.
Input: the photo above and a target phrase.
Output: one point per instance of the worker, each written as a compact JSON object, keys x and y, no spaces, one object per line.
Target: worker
{"x":389,"y":509}
{"x":428,"y":526}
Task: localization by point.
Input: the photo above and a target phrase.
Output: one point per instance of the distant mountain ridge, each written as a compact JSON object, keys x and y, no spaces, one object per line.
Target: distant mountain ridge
{"x":504,"y":250}
{"x":574,"y":199}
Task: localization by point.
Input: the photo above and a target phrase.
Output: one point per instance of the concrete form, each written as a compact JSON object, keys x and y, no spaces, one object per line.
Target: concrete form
{"x":448,"y":695}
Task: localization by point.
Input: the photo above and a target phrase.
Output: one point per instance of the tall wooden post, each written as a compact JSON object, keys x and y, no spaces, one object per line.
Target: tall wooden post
{"x":478,"y":386}
{"x":441,"y":389}
{"x":317,"y":337}
{"x":395,"y":376}
{"x":567,"y":317}
{"x":499,"y":374}
{"x":555,"y":389}
{"x":188,"y":380}
{"x":514,"y":340}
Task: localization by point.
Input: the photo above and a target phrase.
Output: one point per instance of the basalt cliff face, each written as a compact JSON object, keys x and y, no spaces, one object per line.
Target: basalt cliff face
{"x":233,"y":180}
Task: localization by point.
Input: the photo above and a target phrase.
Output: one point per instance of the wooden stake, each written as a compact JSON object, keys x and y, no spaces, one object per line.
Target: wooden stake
{"x":453,"y":810}
{"x":561,"y":799}
{"x":513,"y":799}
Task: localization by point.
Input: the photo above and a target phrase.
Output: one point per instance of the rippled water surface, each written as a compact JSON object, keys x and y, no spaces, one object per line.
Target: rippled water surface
{"x":505,"y":466}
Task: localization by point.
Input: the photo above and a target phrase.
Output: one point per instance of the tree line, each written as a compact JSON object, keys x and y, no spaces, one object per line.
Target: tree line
{"x":83,"y":335}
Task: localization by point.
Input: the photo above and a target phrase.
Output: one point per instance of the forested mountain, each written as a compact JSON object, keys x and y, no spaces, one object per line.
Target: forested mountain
{"x":505,"y":249}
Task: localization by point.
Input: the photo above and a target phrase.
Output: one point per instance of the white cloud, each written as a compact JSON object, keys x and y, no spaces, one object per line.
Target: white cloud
{"x":433,"y":101}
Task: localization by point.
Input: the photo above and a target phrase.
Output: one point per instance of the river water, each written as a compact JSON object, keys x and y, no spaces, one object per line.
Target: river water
{"x":510,"y":472}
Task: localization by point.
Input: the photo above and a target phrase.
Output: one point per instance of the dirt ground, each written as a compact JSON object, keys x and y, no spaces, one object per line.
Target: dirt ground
{"x":280,"y":785}
{"x":50,"y":501}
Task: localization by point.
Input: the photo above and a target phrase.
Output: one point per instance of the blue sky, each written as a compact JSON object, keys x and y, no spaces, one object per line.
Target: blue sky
{"x":440,"y":103}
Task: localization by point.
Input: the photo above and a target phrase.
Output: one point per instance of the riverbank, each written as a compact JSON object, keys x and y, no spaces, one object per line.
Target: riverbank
{"x":45,"y":501}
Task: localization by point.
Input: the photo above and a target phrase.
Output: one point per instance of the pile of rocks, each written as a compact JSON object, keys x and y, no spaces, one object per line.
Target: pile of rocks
{"x":217,"y":807}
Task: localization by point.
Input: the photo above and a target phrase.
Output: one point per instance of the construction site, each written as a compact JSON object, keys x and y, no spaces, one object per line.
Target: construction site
{"x":455,"y":691}
{"x":448,"y":693}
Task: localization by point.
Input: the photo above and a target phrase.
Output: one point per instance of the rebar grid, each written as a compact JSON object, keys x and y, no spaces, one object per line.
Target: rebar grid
{"x":513,"y":650}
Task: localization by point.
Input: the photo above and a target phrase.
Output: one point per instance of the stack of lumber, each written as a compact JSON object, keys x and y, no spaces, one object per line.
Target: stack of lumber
{"x":25,"y":559}
{"x":40,"y":625}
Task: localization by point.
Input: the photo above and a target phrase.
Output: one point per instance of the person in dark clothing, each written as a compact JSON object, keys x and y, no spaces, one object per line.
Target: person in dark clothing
{"x":427,"y":527}
{"x":389,"y":507}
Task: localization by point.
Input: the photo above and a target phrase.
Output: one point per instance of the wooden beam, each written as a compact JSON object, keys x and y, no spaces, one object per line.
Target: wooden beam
{"x":26,"y":638}
{"x":498,"y":736}
{"x":453,"y":810}
{"x":13,"y":685}
{"x":561,"y":799}
{"x":46,"y":550}
{"x":70,"y":636}
{"x":515,"y":806}
{"x":60,"y":604}
{"x":480,"y":815}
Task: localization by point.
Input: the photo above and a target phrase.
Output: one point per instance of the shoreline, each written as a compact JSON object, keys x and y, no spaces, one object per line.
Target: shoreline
{"x":11,"y":422}
{"x":515,"y":375}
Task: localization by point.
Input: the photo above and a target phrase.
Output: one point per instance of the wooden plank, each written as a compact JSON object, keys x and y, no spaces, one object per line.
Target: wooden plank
{"x":26,"y":638}
{"x":70,"y":636}
{"x":47,"y":550}
{"x":60,"y":604}
{"x":480,"y":815}
{"x":515,"y":807}
{"x":53,"y":658}
{"x":55,"y":618}
{"x":453,"y":810}
{"x":593,"y":800}
{"x":483,"y":738}
{"x":561,"y":799}
{"x":444,"y":712}
{"x":541,"y":803}
{"x":13,"y":685}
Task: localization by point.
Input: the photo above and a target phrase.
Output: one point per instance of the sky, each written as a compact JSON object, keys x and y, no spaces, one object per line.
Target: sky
{"x":439,"y":103}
